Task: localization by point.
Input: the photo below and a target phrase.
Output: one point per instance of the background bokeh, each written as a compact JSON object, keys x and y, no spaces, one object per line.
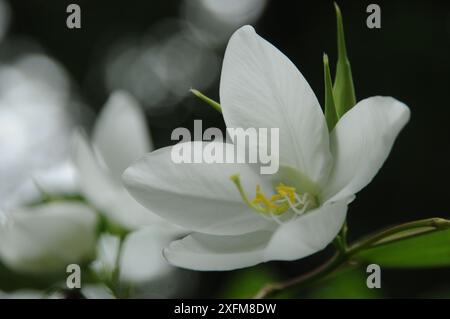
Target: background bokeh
{"x":158,"y":50}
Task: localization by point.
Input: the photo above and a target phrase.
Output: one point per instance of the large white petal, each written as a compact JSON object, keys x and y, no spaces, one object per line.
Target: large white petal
{"x":292,"y":240}
{"x":208,"y":252}
{"x":307,"y":234}
{"x":121,"y":133}
{"x":261,"y":88}
{"x":126,"y":211}
{"x":361,"y":142}
{"x":199,"y":196}
{"x":48,"y":237}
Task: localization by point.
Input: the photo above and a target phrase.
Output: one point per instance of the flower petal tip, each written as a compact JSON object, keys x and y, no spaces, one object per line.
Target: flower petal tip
{"x":246,"y":30}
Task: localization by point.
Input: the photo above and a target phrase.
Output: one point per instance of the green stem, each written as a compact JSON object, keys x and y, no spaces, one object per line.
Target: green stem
{"x":207,"y":100}
{"x":325,"y":269}
{"x":343,"y":257}
{"x":341,"y":239}
{"x":115,"y":278}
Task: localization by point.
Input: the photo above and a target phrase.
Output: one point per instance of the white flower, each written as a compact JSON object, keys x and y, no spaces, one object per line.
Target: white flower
{"x":137,"y":262}
{"x":120,"y":137}
{"x":48,"y":237}
{"x":35,"y":125}
{"x":306,"y":201}
{"x":138,"y":266}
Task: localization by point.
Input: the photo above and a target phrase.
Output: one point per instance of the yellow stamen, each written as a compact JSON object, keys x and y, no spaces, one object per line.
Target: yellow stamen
{"x":237,"y":181}
{"x":286,"y":191}
{"x":260,"y":198}
{"x":277,"y":204}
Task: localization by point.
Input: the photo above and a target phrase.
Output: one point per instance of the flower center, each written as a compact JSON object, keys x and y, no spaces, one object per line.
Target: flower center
{"x":285,"y":199}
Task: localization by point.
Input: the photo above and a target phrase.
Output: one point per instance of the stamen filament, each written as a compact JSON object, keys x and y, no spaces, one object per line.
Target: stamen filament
{"x":237,"y":181}
{"x":286,"y":198}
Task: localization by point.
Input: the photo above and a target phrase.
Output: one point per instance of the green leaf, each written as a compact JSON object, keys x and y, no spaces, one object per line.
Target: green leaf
{"x":344,"y":92}
{"x":330,"y":108}
{"x":349,"y":283}
{"x":207,"y":100}
{"x":427,"y":249}
{"x":247,"y":282}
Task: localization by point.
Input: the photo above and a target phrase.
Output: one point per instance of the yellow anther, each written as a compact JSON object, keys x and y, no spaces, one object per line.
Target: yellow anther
{"x":277,"y":204}
{"x":260,"y":198}
{"x":284,"y":199}
{"x":286,"y":191}
{"x":276,"y":197}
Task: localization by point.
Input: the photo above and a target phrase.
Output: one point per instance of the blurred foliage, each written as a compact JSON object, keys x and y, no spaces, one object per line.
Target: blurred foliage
{"x":11,"y":280}
{"x":349,"y":283}
{"x":246,"y":283}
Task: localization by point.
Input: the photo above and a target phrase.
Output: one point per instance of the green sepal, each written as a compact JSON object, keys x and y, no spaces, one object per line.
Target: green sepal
{"x":330,"y":106}
{"x":344,"y":91}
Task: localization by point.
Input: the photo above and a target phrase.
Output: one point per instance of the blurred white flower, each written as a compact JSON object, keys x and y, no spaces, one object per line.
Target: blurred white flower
{"x":306,"y":200}
{"x":120,"y":137}
{"x":213,"y":21}
{"x":29,"y":294}
{"x":159,"y":68}
{"x":96,"y":292}
{"x":35,"y":126}
{"x":57,"y":180}
{"x":48,"y":237}
{"x":138,"y":266}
